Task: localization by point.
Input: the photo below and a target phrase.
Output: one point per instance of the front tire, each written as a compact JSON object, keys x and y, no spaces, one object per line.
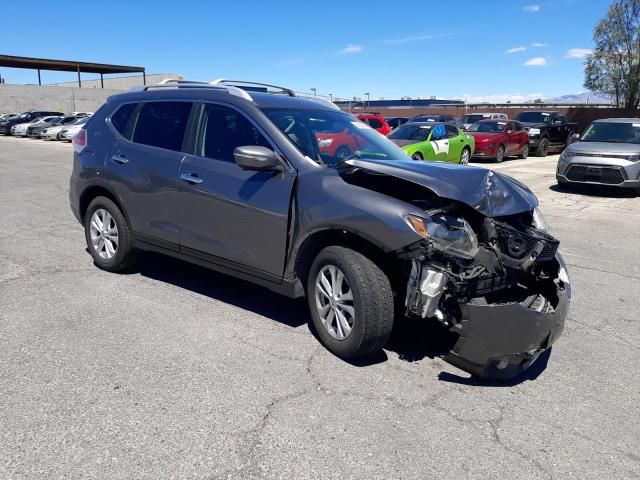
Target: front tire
{"x":543,"y":148}
{"x":465,"y":155}
{"x":500,"y":154}
{"x":108,"y":235}
{"x":351,"y":302}
{"x":343,"y":152}
{"x":417,"y":156}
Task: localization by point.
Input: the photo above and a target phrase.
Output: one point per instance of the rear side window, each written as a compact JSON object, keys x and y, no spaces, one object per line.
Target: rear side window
{"x":122,"y":119}
{"x":452,"y":131}
{"x":224,"y":129}
{"x":162,"y":124}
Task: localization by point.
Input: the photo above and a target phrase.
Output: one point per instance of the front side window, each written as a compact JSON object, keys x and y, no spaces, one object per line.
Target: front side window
{"x":223,"y":129}
{"x":328,"y":136}
{"x":162,"y":124}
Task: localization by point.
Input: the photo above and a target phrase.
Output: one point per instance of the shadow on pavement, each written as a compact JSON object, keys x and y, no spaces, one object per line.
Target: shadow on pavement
{"x":224,"y":288}
{"x":595,"y":191}
{"x":412,"y":339}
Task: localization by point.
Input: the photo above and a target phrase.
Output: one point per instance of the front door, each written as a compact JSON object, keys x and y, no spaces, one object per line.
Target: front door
{"x":456,"y":142}
{"x":225,"y":212}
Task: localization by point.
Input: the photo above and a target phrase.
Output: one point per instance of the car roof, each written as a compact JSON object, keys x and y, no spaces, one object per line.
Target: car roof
{"x":486,"y":113}
{"x":618,"y":120}
{"x":430,"y":124}
{"x":259,"y":99}
{"x":488,"y":120}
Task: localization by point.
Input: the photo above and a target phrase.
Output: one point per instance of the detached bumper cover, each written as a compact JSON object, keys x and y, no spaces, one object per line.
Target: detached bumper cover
{"x":500,"y":341}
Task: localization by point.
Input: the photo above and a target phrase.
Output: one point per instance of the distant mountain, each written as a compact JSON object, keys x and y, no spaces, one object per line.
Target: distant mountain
{"x":582,"y":97}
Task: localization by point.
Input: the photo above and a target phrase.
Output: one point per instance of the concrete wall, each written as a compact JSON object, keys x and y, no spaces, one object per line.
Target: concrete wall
{"x":122,"y":83}
{"x":21,"y":98}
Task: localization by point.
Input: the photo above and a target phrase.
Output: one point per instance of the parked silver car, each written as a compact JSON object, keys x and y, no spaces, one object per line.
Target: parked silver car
{"x":607,"y":153}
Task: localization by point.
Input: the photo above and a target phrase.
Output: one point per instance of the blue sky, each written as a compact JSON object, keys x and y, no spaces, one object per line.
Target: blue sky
{"x":489,"y":48}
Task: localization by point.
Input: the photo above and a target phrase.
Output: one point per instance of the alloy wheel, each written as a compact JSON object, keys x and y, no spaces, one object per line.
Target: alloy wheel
{"x":334,"y":301}
{"x":464,"y":159}
{"x":104,"y":234}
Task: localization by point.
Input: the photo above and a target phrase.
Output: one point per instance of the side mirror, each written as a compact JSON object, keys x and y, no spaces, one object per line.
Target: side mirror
{"x":255,"y":157}
{"x":573,"y":138}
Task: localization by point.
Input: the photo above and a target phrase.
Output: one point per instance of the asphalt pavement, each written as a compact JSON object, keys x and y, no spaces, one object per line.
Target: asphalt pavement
{"x":172,"y":371}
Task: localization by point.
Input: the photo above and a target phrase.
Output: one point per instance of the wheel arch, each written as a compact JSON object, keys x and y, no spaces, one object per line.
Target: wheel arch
{"x":93,"y":191}
{"x":315,"y":242}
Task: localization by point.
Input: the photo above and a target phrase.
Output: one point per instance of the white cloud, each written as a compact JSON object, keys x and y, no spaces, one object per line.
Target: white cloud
{"x":531,"y":8}
{"x":578,"y":52}
{"x":539,"y":45}
{"x":351,"y":48}
{"x":411,"y":38}
{"x":536,"y":62}
{"x":516,"y":50}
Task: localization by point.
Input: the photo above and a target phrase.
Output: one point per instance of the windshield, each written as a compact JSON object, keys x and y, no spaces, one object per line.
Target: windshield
{"x":81,"y":121}
{"x":612,"y":132}
{"x":533,"y":117}
{"x":423,"y":119}
{"x":328,"y":137}
{"x":411,"y":131}
{"x":473,"y":118}
{"x":488,"y":127}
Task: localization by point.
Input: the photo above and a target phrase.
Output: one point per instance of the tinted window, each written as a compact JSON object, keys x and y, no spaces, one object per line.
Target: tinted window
{"x":452,"y":131}
{"x":517,"y":126}
{"x":224,"y":130}
{"x":121,"y":119}
{"x":375,"y":123}
{"x":162,"y":124}
{"x":411,"y":131}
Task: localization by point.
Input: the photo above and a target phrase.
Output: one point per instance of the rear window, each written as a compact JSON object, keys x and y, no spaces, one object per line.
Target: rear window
{"x":121,"y":119}
{"x":162,"y":124}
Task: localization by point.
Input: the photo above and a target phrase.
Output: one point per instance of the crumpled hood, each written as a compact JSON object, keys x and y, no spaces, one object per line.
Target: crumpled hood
{"x":491,"y":193}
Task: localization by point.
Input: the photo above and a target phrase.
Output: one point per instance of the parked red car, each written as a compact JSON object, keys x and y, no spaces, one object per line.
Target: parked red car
{"x":339,"y":144}
{"x":499,"y":138}
{"x":376,"y":122}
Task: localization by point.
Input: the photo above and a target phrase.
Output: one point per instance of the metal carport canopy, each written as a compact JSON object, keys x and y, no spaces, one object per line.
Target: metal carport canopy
{"x":66,"y":66}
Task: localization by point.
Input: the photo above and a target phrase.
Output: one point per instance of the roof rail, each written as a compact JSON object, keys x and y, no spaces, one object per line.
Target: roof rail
{"x":224,"y":81}
{"x":174,"y":83}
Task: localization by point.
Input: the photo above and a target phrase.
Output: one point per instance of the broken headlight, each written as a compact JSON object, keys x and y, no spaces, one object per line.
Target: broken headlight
{"x":447,"y":234}
{"x":539,"y":221}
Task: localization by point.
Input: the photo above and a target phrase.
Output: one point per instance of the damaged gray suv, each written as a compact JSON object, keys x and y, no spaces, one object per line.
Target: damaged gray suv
{"x":303,"y":199}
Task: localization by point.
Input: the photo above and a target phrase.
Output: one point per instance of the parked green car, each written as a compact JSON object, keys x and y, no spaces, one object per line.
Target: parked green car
{"x":434,"y":141}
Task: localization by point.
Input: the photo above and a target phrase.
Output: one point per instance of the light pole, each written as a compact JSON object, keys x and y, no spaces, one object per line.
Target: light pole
{"x":314,"y":91}
{"x":368,"y":101}
{"x":331,"y":97}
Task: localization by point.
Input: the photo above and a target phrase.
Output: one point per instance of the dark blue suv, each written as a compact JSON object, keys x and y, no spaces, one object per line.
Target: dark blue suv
{"x":245,"y":179}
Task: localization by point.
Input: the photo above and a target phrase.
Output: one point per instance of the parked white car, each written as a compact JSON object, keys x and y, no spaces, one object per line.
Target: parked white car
{"x":20,"y":130}
{"x":53,"y":132}
{"x":69,"y":132}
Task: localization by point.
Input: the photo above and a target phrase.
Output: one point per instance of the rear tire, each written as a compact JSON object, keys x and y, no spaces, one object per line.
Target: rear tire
{"x":108,"y":235}
{"x":525,"y":152}
{"x":343,"y":152}
{"x":543,"y":148}
{"x":364,"y":290}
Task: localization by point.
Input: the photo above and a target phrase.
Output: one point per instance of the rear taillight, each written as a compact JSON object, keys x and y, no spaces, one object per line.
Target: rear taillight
{"x":80,"y":140}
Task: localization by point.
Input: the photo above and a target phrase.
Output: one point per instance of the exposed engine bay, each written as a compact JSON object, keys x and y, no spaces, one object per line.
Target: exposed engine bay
{"x":468,"y":263}
{"x":486,"y":268}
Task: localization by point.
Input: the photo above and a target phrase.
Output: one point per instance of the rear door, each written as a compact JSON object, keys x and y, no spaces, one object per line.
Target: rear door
{"x":229,"y":215}
{"x":456,"y":142}
{"x":143,"y":166}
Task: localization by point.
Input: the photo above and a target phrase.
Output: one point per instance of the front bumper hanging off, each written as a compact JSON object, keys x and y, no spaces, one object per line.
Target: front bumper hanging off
{"x":496,"y":340}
